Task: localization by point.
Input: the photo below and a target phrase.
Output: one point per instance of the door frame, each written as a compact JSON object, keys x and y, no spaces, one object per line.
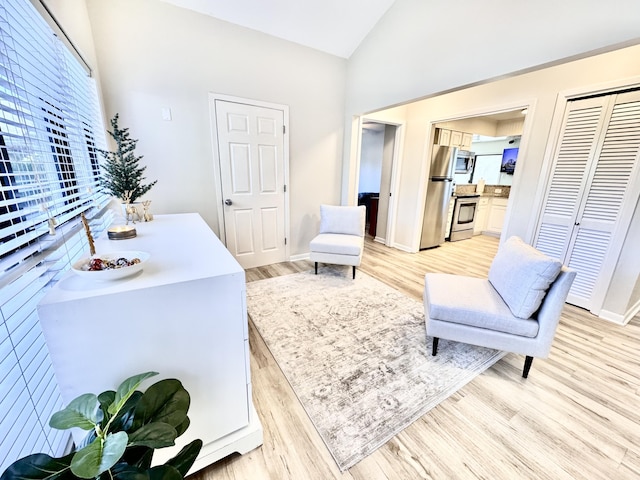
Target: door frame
{"x":620,"y":230}
{"x":217,"y":176}
{"x":396,"y":160}
{"x":529,"y":104}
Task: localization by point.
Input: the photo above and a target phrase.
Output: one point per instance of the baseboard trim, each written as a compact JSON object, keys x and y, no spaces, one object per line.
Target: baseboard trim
{"x":302,"y":256}
{"x":612,"y":317}
{"x":403,"y":248}
{"x":621,"y":319}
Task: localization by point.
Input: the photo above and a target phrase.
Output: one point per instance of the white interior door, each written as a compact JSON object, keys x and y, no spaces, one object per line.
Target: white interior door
{"x":252,"y":173}
{"x":593,"y":180}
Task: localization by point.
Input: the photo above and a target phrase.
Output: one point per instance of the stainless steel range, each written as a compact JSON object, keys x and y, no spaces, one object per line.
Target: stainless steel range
{"x":464,"y":217}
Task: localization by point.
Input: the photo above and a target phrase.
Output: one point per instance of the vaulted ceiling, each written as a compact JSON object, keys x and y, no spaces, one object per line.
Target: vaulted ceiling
{"x":332,"y":26}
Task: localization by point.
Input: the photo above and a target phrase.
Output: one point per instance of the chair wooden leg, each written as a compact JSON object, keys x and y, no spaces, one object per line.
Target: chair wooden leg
{"x":316,"y":268}
{"x":434,"y":347}
{"x":354,"y":272}
{"x":527,"y":366}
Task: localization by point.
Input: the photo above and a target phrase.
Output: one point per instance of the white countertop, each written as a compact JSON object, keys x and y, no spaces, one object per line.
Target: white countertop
{"x":182,"y":248}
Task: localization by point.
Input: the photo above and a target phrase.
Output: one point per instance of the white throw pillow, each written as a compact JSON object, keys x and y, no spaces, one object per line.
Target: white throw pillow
{"x":522,"y":275}
{"x":342,"y":219}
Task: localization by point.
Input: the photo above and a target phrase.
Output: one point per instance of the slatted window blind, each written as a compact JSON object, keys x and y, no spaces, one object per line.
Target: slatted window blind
{"x":50,"y":128}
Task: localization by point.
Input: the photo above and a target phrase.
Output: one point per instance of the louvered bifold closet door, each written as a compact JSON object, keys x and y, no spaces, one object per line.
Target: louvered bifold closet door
{"x":582,"y":124}
{"x":596,"y":163}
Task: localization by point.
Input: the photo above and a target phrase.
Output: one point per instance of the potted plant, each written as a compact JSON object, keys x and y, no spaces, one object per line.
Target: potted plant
{"x":125,"y":427}
{"x":122,"y":173}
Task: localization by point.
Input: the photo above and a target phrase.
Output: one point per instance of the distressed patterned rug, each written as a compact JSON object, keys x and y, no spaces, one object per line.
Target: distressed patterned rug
{"x":356,"y":354}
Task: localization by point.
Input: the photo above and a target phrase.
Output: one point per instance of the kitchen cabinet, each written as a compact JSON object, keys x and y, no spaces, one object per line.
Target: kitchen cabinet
{"x":456,"y":138}
{"x":481,"y":216}
{"x":496,"y":215}
{"x":184,"y":316}
{"x":467,"y":138}
{"x":453,"y":138}
{"x":443,"y":137}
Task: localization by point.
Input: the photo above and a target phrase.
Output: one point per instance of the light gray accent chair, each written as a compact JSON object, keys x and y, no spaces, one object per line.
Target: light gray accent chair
{"x":516,"y":309}
{"x":341,"y":237}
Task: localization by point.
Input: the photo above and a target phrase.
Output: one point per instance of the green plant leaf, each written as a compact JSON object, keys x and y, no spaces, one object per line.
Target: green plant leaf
{"x":185,"y":458}
{"x":139,"y":457}
{"x":126,"y":389}
{"x":183,"y":426}
{"x":164,"y":472}
{"x":122,"y":471}
{"x":39,"y":466}
{"x":123,"y":421}
{"x":165,"y":401}
{"x":99,"y":456}
{"x":153,"y":435}
{"x":82,"y":412}
{"x":106,"y":399}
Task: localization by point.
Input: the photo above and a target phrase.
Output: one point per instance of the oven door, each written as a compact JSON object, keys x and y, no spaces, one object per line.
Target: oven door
{"x":464,"y":218}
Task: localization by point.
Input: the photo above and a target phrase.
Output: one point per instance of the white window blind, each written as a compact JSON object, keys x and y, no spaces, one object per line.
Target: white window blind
{"x":50,"y":128}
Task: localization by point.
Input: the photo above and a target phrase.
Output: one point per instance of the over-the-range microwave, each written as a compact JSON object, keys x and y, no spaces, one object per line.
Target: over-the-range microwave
{"x":464,"y":161}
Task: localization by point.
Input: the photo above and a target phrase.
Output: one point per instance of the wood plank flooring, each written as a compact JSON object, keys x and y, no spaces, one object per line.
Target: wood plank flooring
{"x":577,"y":416}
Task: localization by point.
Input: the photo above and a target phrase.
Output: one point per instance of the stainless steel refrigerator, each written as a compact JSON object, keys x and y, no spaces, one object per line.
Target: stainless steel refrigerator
{"x":439,"y":190}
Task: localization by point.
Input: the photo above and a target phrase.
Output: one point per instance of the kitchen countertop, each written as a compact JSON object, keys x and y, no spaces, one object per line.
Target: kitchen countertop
{"x":489,"y":190}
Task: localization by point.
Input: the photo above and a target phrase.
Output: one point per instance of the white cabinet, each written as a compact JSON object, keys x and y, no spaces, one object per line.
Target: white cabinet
{"x":184,"y":315}
{"x":443,"y":137}
{"x":497,"y":212}
{"x":456,"y":138}
{"x":467,"y":138}
{"x":453,"y":138}
{"x":481,"y":216}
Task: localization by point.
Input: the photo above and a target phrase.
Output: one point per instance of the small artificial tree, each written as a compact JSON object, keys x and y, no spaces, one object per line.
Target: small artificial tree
{"x":122,"y":173}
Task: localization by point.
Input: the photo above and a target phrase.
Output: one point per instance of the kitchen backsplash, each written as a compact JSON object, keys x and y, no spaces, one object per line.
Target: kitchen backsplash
{"x":489,"y":190}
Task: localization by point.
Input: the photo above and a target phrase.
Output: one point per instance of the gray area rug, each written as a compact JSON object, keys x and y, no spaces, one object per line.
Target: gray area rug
{"x":356,"y":354}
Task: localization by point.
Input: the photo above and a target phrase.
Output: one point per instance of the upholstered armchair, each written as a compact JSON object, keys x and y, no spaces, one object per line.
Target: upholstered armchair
{"x":341,"y":237}
{"x":516,"y":309}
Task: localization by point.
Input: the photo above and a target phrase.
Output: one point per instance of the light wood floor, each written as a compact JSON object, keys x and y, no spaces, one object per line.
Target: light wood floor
{"x":577,"y":416}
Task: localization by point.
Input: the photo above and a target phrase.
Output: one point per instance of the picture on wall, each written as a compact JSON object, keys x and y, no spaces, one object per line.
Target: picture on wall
{"x":509,"y":157}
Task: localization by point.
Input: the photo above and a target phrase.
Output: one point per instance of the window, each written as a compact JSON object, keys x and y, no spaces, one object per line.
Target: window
{"x":50,"y":129}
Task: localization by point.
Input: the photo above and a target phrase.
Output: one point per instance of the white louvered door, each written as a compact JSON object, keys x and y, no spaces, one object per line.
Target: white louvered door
{"x":594,"y":177}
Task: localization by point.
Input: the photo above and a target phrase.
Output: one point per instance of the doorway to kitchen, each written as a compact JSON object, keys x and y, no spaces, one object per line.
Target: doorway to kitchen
{"x":497,"y":140}
{"x":378,"y":160}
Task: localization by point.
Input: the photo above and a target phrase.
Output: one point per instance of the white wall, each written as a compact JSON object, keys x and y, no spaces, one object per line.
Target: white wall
{"x":422,"y":48}
{"x":371,"y":161}
{"x":539,"y":90}
{"x":153,"y":55}
{"x":488,"y":163}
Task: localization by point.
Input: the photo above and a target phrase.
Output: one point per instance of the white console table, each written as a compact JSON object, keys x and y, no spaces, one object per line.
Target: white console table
{"x":184,"y":316}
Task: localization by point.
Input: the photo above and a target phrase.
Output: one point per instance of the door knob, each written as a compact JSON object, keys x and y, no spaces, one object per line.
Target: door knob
{"x":228,"y":202}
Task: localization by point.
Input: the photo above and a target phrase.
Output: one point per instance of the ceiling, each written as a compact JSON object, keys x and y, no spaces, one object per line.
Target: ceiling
{"x":332,"y":26}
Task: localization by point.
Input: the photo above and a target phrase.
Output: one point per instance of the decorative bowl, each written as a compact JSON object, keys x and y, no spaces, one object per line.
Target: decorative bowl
{"x":81,"y":267}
